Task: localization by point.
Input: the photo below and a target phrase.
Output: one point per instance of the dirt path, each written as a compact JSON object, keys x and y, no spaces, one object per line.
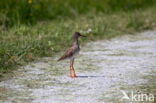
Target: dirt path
{"x":105,"y":70}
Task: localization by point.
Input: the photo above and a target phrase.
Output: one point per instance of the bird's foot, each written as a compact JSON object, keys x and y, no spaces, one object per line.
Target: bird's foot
{"x":75,"y":76}
{"x":71,"y":76}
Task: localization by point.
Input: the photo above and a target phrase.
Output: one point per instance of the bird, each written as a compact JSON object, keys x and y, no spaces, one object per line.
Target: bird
{"x":72,"y":52}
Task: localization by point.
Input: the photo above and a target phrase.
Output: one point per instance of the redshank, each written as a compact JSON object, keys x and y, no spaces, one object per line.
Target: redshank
{"x":72,"y":52}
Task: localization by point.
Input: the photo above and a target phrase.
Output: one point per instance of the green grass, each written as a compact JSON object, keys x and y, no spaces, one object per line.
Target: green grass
{"x":51,"y":33}
{"x":31,"y":11}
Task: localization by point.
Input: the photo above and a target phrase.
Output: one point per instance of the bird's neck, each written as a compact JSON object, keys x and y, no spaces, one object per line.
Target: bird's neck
{"x":75,"y":42}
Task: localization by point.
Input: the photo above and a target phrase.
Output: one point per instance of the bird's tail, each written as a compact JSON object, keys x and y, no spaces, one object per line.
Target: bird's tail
{"x":59,"y":59}
{"x":62,"y":58}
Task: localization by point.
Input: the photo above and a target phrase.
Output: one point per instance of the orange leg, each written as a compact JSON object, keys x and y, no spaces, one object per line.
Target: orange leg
{"x":72,"y":63}
{"x":71,"y":71}
{"x":74,"y":73}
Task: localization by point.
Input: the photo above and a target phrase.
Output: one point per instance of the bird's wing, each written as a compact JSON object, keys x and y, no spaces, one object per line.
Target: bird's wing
{"x":68,"y":53}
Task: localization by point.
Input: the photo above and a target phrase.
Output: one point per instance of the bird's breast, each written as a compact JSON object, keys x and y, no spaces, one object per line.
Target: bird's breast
{"x":75,"y":53}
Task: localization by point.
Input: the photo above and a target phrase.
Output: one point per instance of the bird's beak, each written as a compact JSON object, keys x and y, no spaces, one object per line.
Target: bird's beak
{"x":83,"y":35}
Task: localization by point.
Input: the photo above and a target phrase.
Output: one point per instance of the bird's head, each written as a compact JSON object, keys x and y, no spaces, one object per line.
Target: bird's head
{"x":77,"y":35}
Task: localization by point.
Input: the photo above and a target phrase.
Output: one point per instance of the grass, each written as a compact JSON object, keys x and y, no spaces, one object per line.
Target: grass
{"x":31,"y":11}
{"x":23,"y":42}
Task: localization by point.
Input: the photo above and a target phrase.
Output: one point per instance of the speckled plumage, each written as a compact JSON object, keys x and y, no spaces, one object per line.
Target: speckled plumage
{"x":74,"y":49}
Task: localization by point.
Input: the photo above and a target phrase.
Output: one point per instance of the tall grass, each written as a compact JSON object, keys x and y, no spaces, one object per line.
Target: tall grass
{"x":31,"y":11}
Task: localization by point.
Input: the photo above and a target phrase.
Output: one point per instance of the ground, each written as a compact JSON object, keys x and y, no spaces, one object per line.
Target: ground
{"x":105,"y":69}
